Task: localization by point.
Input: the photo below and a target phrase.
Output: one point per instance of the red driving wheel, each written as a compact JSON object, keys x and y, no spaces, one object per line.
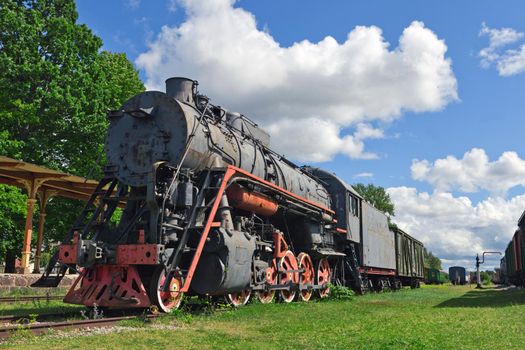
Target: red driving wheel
{"x":307,"y":276}
{"x":287,"y":265}
{"x":324,"y":274}
{"x":239,"y":299}
{"x":165,"y":300}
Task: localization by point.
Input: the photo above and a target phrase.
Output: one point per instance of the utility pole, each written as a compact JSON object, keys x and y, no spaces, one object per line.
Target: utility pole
{"x":478,"y":286}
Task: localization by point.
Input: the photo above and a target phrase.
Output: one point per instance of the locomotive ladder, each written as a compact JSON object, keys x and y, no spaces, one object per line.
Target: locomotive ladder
{"x":212,"y":189}
{"x":353,"y":265}
{"x":101,"y":205}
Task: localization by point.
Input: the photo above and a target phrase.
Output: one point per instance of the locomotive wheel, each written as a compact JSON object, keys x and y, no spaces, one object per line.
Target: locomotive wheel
{"x":307,"y":276}
{"x":266,"y":297}
{"x":286,"y":263}
{"x":323,"y":277}
{"x":240,"y":298}
{"x":168,"y":300}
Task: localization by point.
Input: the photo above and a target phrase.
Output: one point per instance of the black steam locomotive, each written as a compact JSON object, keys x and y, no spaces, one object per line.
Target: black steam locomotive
{"x":210,"y":209}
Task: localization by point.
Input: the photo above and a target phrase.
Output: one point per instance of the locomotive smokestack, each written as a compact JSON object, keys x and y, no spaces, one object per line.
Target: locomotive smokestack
{"x":180,"y":89}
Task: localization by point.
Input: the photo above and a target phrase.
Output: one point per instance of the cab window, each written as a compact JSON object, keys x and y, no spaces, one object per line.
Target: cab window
{"x":353,"y":205}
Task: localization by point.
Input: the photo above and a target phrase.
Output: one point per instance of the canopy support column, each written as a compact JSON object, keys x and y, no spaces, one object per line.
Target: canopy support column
{"x":26,"y":248}
{"x":32,"y":187}
{"x":43,"y":197}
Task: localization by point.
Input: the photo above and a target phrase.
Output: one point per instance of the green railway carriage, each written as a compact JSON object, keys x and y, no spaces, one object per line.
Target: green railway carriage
{"x":433,"y":276}
{"x":409,"y":259}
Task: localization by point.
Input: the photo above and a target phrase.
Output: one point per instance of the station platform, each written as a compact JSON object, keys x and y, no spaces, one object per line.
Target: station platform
{"x":12,"y":281}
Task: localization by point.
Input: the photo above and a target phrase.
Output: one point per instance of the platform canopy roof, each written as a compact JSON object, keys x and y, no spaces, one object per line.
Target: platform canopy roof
{"x":37,"y":179}
{"x":41,"y":184}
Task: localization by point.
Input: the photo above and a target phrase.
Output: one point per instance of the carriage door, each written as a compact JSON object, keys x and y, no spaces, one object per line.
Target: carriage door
{"x":354,"y":212}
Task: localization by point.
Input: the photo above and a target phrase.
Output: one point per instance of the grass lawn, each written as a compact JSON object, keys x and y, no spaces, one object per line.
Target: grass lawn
{"x":36,"y":307}
{"x":432,"y":317}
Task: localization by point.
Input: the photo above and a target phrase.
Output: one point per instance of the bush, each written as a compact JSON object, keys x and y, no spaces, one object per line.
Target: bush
{"x":44,"y":258}
{"x":339,"y":292}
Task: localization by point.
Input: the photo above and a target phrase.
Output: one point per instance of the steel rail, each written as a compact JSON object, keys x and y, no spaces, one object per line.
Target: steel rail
{"x":40,"y":328}
{"x":28,"y":298}
{"x":23,"y":319}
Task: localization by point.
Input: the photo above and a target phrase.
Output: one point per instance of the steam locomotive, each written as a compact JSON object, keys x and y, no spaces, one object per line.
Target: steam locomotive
{"x":209,"y":209}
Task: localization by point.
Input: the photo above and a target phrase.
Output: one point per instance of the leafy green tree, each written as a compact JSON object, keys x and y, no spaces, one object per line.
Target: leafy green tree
{"x":56,"y":86}
{"x":12,"y":220}
{"x":377,"y":196}
{"x":430,"y":260}
{"x":443,"y":277}
{"x":486,"y":277}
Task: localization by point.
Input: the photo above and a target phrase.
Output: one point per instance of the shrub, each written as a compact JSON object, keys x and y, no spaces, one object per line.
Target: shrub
{"x":339,"y":292}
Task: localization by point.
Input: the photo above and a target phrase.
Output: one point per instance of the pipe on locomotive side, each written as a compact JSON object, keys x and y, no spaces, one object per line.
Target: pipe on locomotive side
{"x":260,"y":204}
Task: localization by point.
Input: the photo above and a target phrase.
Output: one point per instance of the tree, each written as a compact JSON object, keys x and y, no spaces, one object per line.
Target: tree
{"x":55,"y":89}
{"x":377,"y":196}
{"x":430,"y":260}
{"x":485,"y":277}
{"x":12,"y":217}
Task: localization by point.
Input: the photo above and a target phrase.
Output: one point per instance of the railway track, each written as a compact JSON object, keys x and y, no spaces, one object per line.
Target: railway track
{"x":40,"y":328}
{"x":30,"y":298}
{"x":24,"y":319}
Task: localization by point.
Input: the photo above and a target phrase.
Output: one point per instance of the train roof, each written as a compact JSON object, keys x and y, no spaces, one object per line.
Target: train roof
{"x":521,"y":221}
{"x":404,"y":232}
{"x":324,"y":175}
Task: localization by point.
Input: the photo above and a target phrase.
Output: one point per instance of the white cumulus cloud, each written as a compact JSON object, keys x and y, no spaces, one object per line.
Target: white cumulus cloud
{"x":507,"y":61}
{"x":454,"y":228}
{"x":513,"y":62}
{"x":312,"y":97}
{"x":363,"y":175}
{"x":473,"y":172}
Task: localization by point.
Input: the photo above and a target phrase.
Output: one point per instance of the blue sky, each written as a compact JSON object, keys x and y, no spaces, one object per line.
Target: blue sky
{"x":485,"y":115}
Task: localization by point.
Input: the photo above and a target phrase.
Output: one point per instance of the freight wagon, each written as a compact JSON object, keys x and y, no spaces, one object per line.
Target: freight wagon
{"x":457,"y":275}
{"x":503,"y":271}
{"x":513,"y":262}
{"x":409,"y":258}
{"x":497,"y":278}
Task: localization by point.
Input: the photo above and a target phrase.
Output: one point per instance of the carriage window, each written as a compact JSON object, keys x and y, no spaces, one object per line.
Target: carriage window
{"x":353,"y":205}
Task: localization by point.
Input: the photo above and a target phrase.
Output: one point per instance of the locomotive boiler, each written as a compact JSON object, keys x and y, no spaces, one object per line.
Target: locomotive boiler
{"x":207,"y":208}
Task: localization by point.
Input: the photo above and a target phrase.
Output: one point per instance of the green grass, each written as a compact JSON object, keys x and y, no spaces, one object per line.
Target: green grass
{"x":33,"y":291}
{"x":433,"y":317}
{"x":36,"y":307}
